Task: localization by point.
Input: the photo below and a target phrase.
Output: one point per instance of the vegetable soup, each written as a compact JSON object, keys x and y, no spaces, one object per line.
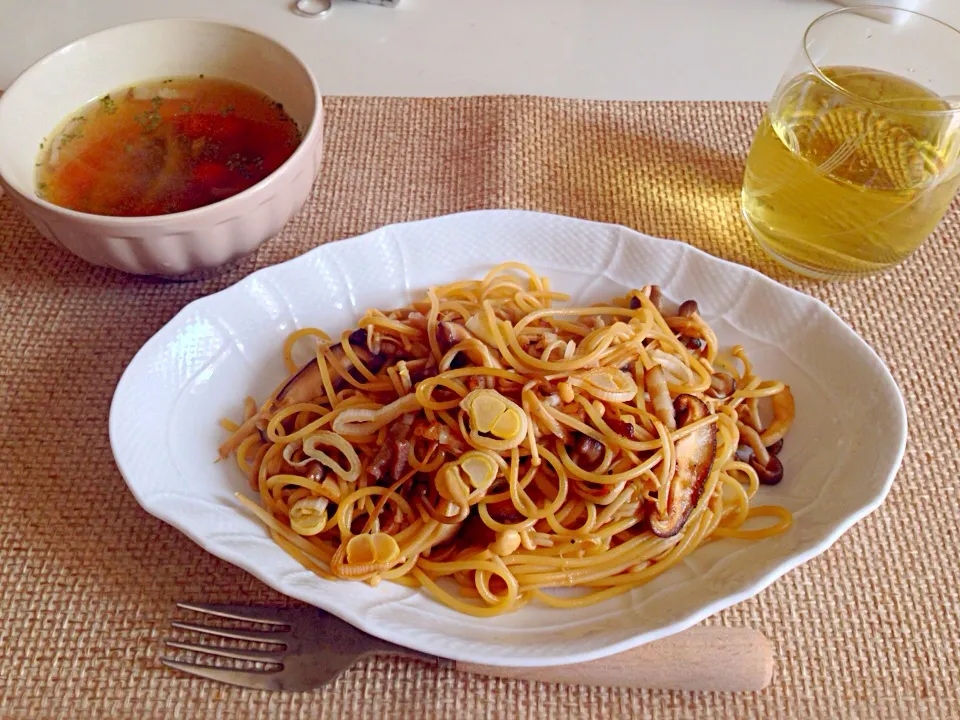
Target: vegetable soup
{"x":164,"y":146}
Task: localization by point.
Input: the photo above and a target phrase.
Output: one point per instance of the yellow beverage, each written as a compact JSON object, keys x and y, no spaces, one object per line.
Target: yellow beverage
{"x":850,"y":181}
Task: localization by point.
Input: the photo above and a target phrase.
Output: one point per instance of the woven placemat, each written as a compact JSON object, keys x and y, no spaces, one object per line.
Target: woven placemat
{"x":869,"y":629}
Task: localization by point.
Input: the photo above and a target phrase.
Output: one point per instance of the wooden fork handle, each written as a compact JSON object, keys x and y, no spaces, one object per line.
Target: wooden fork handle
{"x":701,"y":658}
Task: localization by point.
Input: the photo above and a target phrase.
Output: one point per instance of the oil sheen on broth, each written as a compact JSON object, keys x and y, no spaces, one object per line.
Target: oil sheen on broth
{"x":835,"y":185}
{"x":164,"y":146}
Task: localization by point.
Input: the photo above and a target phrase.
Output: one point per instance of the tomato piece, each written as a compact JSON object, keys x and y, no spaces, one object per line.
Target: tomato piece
{"x":78,"y":177}
{"x":209,"y":125}
{"x":211,"y":173}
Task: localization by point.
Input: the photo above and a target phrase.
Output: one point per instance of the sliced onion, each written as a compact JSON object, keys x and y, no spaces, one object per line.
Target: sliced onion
{"x":289,"y":450}
{"x":364,"y":421}
{"x":606,"y":383}
{"x":673,"y":366}
{"x":479,"y":327}
{"x":331,"y":439}
{"x":309,"y":515}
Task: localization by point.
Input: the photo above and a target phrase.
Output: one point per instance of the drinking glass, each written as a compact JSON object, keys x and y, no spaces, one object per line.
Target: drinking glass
{"x":855,"y":159}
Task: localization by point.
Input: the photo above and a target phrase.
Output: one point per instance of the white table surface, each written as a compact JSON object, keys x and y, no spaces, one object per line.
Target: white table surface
{"x":607,"y":49}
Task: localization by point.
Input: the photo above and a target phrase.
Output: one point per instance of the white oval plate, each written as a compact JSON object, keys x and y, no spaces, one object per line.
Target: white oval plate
{"x":840,"y":456}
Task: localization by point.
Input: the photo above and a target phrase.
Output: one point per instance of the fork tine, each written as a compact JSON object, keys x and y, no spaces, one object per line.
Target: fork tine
{"x":266,"y":656}
{"x":250,"y":613}
{"x":251,"y":635}
{"x":256,"y":679}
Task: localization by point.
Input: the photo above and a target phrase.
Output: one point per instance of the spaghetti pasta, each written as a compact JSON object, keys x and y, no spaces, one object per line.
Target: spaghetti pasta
{"x":483,"y":437}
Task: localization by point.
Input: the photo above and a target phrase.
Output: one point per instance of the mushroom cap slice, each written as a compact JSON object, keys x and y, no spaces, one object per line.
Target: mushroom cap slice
{"x":769,"y":474}
{"x":695,"y":455}
{"x":304,"y":385}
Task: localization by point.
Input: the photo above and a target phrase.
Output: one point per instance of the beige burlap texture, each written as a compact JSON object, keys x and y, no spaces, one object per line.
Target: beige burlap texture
{"x":868,"y":629}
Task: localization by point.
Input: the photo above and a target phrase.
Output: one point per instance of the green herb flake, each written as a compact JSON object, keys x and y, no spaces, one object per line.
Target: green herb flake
{"x":128,"y":148}
{"x":200,"y":76}
{"x":227,"y":110}
{"x":186,"y":108}
{"x":68,"y":137}
{"x":107,"y":105}
{"x":41,"y":146}
{"x":148,"y":120}
{"x":168,"y":80}
{"x":41,"y":191}
{"x":156,"y":102}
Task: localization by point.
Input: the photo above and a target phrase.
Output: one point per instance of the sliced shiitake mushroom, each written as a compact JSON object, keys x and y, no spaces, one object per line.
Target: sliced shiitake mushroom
{"x":373,"y":362}
{"x":450,"y":334}
{"x":393,"y":349}
{"x":307,"y":383}
{"x":744,"y":453}
{"x":769,"y":474}
{"x":587,"y":453}
{"x":475,"y":533}
{"x":358,"y":337}
{"x":479,"y":349}
{"x":421,"y":369}
{"x":656,"y":297}
{"x":688,"y":329}
{"x":383,"y":344}
{"x":721,"y":385}
{"x":688,"y":308}
{"x":688,"y":409}
{"x":504,"y":511}
{"x":303,"y":386}
{"x":315,"y":471}
{"x":692,"y":342}
{"x":695,"y":455}
{"x":621,"y":427}
{"x":653,"y":293}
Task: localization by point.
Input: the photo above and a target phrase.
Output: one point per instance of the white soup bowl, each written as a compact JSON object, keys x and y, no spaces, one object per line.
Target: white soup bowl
{"x":178,"y":243}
